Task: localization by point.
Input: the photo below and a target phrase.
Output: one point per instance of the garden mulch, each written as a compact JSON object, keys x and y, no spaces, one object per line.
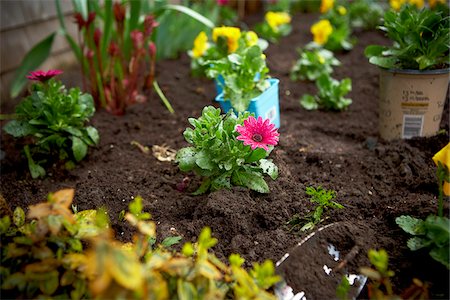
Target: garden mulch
{"x":375,"y":180}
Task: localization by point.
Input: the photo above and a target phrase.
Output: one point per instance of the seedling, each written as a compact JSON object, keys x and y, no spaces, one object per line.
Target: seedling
{"x":331,"y":95}
{"x":313,"y":63}
{"x":324,"y":200}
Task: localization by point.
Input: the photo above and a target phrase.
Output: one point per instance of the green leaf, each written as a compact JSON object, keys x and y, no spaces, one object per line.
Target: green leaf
{"x":170,"y":241}
{"x":50,"y":283}
{"x":37,"y":55}
{"x":18,"y":128}
{"x":35,"y":169}
{"x":309,"y":102}
{"x":93,"y":134}
{"x":192,"y":13}
{"x":269,"y":168}
{"x":15,"y":280}
{"x":411,"y":225}
{"x":384,"y":62}
{"x":417,"y":243}
{"x":186,"y":290}
{"x":441,"y":255}
{"x":186,"y":159}
{"x":203,"y":160}
{"x":438,"y":230}
{"x":256,"y":155}
{"x":252,"y":180}
{"x":19,"y":217}
{"x":79,"y":148}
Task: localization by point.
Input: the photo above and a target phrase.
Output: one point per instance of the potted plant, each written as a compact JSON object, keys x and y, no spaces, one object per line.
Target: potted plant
{"x":413,"y":72}
{"x":225,"y":40}
{"x":246,"y":85}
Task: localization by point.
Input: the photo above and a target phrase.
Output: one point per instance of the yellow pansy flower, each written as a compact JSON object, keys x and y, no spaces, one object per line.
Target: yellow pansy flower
{"x":417,"y":3}
{"x":231,"y":34}
{"x":200,"y":45}
{"x":396,"y":4}
{"x":443,"y":157}
{"x":321,"y":31}
{"x":326,"y":5}
{"x":342,"y":10}
{"x":433,"y":3}
{"x":252,"y":38}
{"x":276,"y":19}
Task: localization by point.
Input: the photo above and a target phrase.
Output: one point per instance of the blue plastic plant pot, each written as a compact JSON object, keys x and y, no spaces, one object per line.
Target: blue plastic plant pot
{"x":220,"y":82}
{"x":266,"y":105}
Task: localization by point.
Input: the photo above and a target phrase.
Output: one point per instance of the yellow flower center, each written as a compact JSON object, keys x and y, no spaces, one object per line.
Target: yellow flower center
{"x":326,"y":5}
{"x":276,"y":19}
{"x":200,"y":44}
{"x":231,"y":34}
{"x":321,"y":31}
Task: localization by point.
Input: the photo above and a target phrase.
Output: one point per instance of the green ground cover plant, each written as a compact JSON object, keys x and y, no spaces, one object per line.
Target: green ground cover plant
{"x":53,"y":253}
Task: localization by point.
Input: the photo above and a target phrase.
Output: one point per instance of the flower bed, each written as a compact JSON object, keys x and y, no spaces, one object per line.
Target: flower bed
{"x":375,"y":181}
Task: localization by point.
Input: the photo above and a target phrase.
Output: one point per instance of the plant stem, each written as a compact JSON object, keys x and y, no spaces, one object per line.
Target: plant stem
{"x":440,"y":176}
{"x":163,"y":98}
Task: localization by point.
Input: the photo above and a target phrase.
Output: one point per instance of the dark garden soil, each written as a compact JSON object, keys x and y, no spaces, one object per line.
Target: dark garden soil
{"x":375,"y":180}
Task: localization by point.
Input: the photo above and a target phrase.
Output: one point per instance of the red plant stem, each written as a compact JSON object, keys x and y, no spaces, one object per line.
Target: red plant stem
{"x":134,"y":72}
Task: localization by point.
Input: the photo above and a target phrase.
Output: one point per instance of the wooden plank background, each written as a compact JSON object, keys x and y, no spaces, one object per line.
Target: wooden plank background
{"x":23,"y":23}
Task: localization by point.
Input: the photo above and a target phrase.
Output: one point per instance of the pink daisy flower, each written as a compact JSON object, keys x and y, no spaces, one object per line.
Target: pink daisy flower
{"x":43,"y":76}
{"x":258,"y":133}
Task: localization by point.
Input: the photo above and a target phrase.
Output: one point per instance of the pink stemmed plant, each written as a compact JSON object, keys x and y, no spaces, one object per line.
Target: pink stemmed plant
{"x":43,"y":76}
{"x":119,"y":66}
{"x":258,"y":133}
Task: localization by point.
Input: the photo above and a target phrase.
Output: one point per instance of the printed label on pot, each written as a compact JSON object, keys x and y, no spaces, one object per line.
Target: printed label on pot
{"x":271,"y":114}
{"x":412,"y":126}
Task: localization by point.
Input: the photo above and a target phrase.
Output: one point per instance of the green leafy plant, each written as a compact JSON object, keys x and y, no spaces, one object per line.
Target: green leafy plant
{"x":313,"y":63}
{"x":433,"y":233}
{"x":45,"y":258}
{"x":380,"y":286}
{"x":420,"y":40}
{"x":39,"y":257}
{"x":324,"y":200}
{"x":220,"y":158}
{"x":331,"y":94}
{"x":55,"y":120}
{"x":365,"y":14}
{"x":275,"y":26}
{"x":244,"y":75}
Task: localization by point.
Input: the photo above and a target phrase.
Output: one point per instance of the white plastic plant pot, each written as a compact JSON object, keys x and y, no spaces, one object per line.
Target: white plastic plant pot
{"x":411,"y":102}
{"x":266,"y":105}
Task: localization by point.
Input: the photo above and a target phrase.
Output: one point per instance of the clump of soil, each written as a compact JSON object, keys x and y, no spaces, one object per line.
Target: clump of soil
{"x":375,"y":180}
